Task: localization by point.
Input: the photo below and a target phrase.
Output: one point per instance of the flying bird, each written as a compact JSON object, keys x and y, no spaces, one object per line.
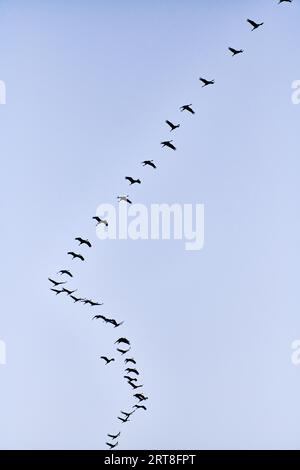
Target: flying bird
{"x":140,"y":397}
{"x":130,"y":379}
{"x":83,"y":242}
{"x":76,"y":299}
{"x":69,"y":292}
{"x":100,"y":317}
{"x":123,"y":351}
{"x":100,"y":221}
{"x":108,"y":361}
{"x":125,"y":199}
{"x":130,"y":360}
{"x":132,"y":371}
{"x":284,"y":1}
{"x":112,"y":436}
{"x":124,"y":420}
{"x":123,"y":340}
{"x":206,"y":82}
{"x":133,"y":385}
{"x":115,"y":323}
{"x":168,"y":143}
{"x":75,"y":255}
{"x":132,"y":180}
{"x":55,"y":283}
{"x":235,"y":51}
{"x":173,"y":126}
{"x":187,"y":107}
{"x":254,"y":24}
{"x":127,"y":414}
{"x":57,"y":291}
{"x":139,"y":407}
{"x":112,"y":446}
{"x":65,"y":271}
{"x":149,"y":163}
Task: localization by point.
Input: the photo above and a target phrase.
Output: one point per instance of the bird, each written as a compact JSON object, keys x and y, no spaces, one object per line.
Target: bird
{"x":187,"y":107}
{"x":83,"y":242}
{"x":140,"y":397}
{"x":75,"y":255}
{"x":100,"y":221}
{"x":133,"y":385}
{"x":55,"y":283}
{"x":130,"y":360}
{"x":108,"y":361}
{"x":123,"y":351}
{"x":123,"y":340}
{"x":76,"y":299}
{"x":206,"y":82}
{"x":132,"y":371}
{"x":149,"y":163}
{"x":284,"y":1}
{"x":125,"y":199}
{"x":112,"y":446}
{"x":115,"y":323}
{"x":139,"y":407}
{"x":126,"y":414}
{"x":57,"y":291}
{"x":130,"y":379}
{"x":112,"y":436}
{"x":100,"y":317}
{"x":124,"y":420}
{"x":91,"y":303}
{"x":254,"y":24}
{"x":69,"y":292}
{"x":132,"y":180}
{"x":235,"y":51}
{"x":173,"y":126}
{"x":65,"y":271}
{"x":168,"y":143}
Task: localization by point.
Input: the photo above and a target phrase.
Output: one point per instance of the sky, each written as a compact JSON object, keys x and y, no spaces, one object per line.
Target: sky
{"x":89,"y":86}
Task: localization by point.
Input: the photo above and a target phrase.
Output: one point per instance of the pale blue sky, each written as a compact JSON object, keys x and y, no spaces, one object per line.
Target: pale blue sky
{"x":89,"y":85}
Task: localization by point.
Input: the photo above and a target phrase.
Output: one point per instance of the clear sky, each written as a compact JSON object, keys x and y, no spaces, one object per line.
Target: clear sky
{"x":89,"y":85}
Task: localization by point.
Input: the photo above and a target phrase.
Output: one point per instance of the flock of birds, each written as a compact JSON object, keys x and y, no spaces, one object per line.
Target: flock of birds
{"x":122,"y":344}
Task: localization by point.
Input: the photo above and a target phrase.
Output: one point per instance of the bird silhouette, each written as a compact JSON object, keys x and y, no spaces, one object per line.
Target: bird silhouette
{"x":122,"y":340}
{"x":69,"y":292}
{"x":254,"y":24}
{"x":108,"y":361}
{"x":206,"y":82}
{"x":123,"y":351}
{"x":83,"y":242}
{"x":133,"y":385}
{"x":127,"y":414}
{"x":168,"y":143}
{"x":112,"y":436}
{"x":130,"y":379}
{"x":173,"y":126}
{"x":149,"y":163}
{"x":115,"y":323}
{"x":65,"y":271}
{"x":55,"y":283}
{"x":130,"y":360}
{"x":75,"y":255}
{"x":100,"y":221}
{"x":112,"y":446}
{"x":124,"y":420}
{"x":140,"y":397}
{"x":235,"y":51}
{"x":187,"y":107}
{"x":76,"y":299}
{"x":57,"y":291}
{"x":125,"y":199}
{"x":132,"y":180}
{"x":139,"y":407}
{"x":100,"y":317}
{"x":284,"y":1}
{"x":132,"y":371}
